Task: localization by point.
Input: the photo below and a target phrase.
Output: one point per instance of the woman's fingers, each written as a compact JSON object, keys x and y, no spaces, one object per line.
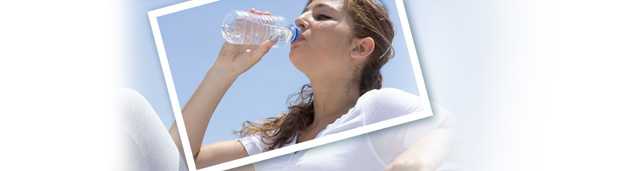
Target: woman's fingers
{"x":255,"y":11}
{"x":263,"y":48}
{"x":251,"y":55}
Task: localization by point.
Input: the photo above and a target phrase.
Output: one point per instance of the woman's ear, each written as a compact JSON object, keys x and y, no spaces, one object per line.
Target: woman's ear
{"x":363,"y":48}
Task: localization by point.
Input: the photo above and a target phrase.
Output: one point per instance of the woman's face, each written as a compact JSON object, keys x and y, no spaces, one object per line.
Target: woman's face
{"x":324,"y":47}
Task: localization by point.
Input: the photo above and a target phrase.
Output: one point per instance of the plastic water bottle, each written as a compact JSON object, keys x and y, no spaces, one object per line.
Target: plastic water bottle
{"x":243,"y":27}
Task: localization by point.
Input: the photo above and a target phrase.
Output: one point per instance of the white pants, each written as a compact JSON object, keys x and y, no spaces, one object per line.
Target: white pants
{"x":147,"y":143}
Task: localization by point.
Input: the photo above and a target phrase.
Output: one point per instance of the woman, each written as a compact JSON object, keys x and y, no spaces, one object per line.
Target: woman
{"x":343,"y":45}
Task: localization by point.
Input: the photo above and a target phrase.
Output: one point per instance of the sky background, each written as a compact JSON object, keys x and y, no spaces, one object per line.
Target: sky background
{"x":192,"y":39}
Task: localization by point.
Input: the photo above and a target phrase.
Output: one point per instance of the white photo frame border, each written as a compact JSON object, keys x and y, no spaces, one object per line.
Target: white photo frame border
{"x":178,"y":116}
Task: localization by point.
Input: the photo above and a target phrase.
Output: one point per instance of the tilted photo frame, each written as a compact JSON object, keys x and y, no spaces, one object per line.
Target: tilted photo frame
{"x":170,"y":29}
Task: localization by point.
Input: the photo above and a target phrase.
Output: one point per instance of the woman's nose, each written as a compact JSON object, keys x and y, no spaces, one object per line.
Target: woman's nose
{"x":302,"y":23}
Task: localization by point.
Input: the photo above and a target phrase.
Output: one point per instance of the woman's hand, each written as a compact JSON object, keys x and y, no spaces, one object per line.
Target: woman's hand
{"x":426,"y":154}
{"x":406,"y":164}
{"x":235,"y":59}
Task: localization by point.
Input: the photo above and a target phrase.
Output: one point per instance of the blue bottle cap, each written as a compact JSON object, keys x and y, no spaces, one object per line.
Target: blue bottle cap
{"x":296,"y":33}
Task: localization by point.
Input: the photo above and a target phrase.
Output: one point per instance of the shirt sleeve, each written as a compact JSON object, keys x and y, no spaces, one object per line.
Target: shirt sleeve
{"x":387,"y":103}
{"x":253,"y":144}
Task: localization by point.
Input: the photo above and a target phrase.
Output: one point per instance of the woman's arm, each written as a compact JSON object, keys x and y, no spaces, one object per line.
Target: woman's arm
{"x":220,"y":152}
{"x":426,"y":154}
{"x":198,"y":110}
{"x":232,"y":61}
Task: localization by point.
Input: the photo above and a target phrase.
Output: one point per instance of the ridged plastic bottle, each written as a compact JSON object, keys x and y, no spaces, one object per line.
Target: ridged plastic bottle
{"x":243,"y":27}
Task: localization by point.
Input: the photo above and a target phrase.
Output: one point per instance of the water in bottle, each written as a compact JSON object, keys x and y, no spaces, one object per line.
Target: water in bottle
{"x":243,"y":27}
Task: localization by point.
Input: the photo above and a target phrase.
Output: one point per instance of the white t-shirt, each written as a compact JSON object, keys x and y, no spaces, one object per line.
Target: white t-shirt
{"x":371,"y":151}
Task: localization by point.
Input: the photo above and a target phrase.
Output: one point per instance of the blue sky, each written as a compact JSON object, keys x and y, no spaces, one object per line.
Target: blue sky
{"x":192,"y":39}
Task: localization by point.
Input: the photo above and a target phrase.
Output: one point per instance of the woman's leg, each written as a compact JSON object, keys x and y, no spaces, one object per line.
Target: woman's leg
{"x":147,"y":142}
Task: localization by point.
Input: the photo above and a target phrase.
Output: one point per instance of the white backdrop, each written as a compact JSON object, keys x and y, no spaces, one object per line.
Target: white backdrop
{"x":545,"y":85}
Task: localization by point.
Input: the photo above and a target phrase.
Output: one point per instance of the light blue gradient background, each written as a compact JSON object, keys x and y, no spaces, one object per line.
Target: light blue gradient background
{"x":192,"y":39}
{"x":472,"y":59}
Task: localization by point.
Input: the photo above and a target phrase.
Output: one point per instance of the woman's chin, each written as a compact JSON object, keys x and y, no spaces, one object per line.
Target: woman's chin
{"x":294,"y":55}
{"x":298,"y":62}
{"x":295,"y":51}
{"x":294,"y":60}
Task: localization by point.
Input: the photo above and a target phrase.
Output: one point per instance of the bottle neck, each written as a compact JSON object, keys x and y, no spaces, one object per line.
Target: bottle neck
{"x":290,"y":34}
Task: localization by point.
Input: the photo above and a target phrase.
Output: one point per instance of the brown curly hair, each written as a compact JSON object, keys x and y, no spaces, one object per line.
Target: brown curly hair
{"x":370,"y":19}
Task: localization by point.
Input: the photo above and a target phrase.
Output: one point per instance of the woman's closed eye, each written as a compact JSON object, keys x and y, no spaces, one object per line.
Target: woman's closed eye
{"x":323,"y":17}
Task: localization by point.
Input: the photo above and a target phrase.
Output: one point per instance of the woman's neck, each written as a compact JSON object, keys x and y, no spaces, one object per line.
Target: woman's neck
{"x":332,"y":99}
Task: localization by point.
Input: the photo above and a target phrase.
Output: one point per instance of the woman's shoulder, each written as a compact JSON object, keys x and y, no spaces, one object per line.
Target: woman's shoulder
{"x":387,"y":92}
{"x":390,"y":97}
{"x":257,"y":143}
{"x":386,"y":103}
{"x":253,"y":144}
